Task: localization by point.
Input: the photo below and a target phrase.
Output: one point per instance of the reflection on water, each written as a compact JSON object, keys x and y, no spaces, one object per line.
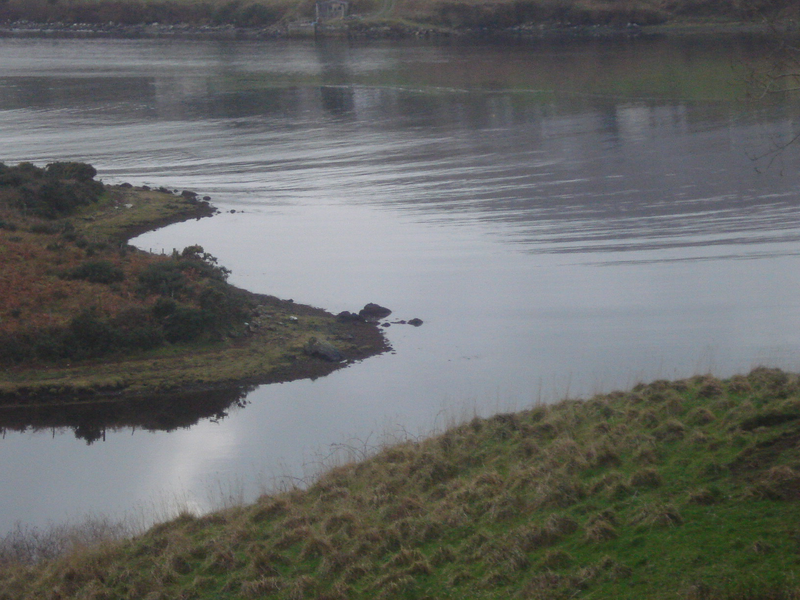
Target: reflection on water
{"x":566,"y":217}
{"x":91,"y":421}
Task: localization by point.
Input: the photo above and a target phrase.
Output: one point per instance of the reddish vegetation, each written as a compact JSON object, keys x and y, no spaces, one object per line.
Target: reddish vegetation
{"x":70,"y":286}
{"x":35,"y":294}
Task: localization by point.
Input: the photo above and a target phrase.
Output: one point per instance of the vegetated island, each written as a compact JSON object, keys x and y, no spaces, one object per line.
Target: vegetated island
{"x":260,"y":19}
{"x":674,"y":490}
{"x":85,"y":316}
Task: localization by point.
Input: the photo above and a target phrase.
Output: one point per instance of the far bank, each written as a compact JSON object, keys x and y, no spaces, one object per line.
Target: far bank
{"x":259,"y":19}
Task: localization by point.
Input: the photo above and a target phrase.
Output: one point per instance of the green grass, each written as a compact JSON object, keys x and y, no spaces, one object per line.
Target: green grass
{"x":687,"y":489}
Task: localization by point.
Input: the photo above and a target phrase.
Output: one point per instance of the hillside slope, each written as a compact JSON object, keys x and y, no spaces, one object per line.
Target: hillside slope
{"x":687,"y":489}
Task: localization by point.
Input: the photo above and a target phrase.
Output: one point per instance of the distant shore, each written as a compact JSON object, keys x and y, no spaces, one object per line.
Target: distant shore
{"x":366,"y":29}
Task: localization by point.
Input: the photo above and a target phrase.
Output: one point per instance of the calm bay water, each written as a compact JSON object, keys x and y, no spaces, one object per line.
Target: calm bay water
{"x":565,"y":217}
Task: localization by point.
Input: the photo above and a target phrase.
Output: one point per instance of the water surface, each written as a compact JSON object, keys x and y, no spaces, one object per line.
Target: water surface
{"x":566,"y":217}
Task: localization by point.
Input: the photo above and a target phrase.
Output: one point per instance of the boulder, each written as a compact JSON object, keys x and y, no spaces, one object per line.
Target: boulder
{"x":374,"y":312}
{"x":415,"y":322}
{"x":347,"y":317}
{"x":322,"y":349}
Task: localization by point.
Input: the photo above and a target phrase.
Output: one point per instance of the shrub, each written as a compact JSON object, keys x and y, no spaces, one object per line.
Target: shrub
{"x":163,"y":278}
{"x":89,"y":336}
{"x":57,"y":190}
{"x":135,"y":329}
{"x":171,"y":277}
{"x":100,"y":271}
{"x":71,"y":170}
{"x":201,"y":262}
{"x":184,"y":324}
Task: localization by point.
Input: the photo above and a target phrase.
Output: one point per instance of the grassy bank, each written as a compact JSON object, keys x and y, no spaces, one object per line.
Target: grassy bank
{"x":85,"y":315}
{"x":687,"y":489}
{"x":395,"y":17}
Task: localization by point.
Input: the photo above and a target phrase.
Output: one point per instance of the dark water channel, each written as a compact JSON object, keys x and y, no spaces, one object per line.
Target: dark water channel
{"x":566,"y":217}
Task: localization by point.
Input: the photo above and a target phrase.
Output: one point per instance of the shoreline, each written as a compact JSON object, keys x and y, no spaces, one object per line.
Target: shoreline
{"x":358,"y":29}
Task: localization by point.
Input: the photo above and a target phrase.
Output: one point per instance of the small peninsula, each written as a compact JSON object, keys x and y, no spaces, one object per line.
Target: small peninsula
{"x":84,"y":316}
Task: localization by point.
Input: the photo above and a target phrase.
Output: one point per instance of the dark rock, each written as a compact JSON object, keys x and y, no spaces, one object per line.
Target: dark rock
{"x":386,"y":324}
{"x":374,"y":312}
{"x":323,"y":349}
{"x":206,"y":198}
{"x":164,"y":190}
{"x":415,"y":322}
{"x":347,"y":317}
{"x":146,"y":188}
{"x":189,"y":194}
{"x":125,"y":185}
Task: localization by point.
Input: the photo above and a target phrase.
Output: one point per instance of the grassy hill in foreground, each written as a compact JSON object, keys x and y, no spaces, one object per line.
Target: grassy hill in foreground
{"x":687,"y":489}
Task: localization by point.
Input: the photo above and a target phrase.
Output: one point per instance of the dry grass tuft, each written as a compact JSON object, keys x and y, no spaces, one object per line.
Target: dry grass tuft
{"x":705,"y":496}
{"x":739,"y":384}
{"x":546,"y":586}
{"x":559,"y":490}
{"x":710,"y":387}
{"x":655,"y":514}
{"x":648,"y":418}
{"x":261,"y":587}
{"x":700,"y":416}
{"x":602,"y":455}
{"x":557,"y":559}
{"x":565,"y":453}
{"x":533,"y":537}
{"x":443,"y":555}
{"x":778,"y":483}
{"x":316,"y":547}
{"x":645,"y":478}
{"x":301,"y":588}
{"x":405,"y":507}
{"x":560,"y":525}
{"x":646,"y":453}
{"x":600,"y":531}
{"x":739,"y":413}
{"x":671,"y":431}
{"x":346,"y":521}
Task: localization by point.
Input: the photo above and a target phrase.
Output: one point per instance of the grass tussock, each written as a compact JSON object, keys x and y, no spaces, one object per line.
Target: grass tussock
{"x":565,"y":501}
